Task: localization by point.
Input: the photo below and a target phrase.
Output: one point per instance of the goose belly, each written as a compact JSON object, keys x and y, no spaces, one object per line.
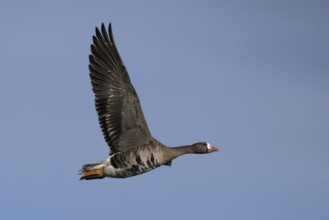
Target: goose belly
{"x":131,"y":163}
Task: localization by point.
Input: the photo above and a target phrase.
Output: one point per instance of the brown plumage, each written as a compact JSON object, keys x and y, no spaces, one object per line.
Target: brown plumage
{"x":133,"y":150}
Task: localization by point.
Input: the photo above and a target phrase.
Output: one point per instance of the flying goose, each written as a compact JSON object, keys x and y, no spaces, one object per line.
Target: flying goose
{"x":133,"y":150}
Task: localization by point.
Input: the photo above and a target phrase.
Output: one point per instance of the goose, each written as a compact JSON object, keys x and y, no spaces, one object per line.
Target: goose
{"x":133,"y":150}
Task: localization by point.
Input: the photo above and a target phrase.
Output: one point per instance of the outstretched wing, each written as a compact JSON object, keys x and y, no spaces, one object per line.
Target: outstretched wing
{"x":117,"y":104}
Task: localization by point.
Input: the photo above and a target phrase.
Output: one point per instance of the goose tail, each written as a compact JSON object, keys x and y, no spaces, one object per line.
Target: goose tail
{"x":92,"y":171}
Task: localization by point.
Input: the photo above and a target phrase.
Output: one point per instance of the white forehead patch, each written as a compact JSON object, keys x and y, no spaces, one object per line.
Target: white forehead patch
{"x":209,"y":146}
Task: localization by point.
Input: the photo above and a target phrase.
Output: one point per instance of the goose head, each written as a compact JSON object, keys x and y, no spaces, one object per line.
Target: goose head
{"x":204,"y":148}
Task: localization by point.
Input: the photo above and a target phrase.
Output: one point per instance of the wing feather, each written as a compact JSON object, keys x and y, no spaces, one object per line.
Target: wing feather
{"x":117,"y":104}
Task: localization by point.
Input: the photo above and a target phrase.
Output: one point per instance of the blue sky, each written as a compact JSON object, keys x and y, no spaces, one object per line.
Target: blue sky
{"x":250,"y":77}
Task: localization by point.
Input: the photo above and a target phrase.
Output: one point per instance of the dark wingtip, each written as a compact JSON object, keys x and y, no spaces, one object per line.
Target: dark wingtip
{"x":110,"y":27}
{"x":98,"y":33}
{"x":103,"y":27}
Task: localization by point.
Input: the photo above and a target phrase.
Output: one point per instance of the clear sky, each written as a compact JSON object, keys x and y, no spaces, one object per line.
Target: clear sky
{"x":250,"y":77}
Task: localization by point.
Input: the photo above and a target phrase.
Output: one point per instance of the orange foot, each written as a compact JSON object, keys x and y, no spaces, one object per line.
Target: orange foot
{"x":96,"y":172}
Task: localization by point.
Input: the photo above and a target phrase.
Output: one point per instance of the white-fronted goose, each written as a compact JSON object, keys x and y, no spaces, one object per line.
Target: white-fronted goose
{"x":133,"y":150}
